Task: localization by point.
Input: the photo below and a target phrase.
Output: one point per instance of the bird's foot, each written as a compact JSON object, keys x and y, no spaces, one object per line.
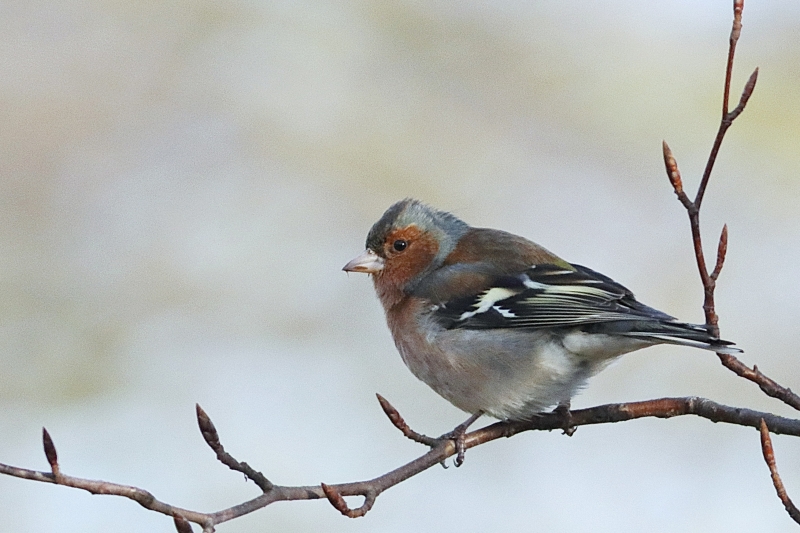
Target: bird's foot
{"x":562,"y":410}
{"x":457,"y":436}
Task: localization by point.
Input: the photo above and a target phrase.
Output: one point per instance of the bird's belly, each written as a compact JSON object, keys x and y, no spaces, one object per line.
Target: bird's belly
{"x":507,"y":374}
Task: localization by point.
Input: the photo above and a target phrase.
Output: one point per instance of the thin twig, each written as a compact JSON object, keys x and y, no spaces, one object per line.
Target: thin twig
{"x":140,"y":496}
{"x":50,"y":453}
{"x":736,"y":31}
{"x":727,"y":117}
{"x":399,"y":423}
{"x":209,"y":432}
{"x":340,"y":505}
{"x":674,"y":175}
{"x":746,"y":93}
{"x":722,"y":250}
{"x":769,"y":457}
{"x":768,"y":386}
{"x":182,"y":525}
{"x":371,"y":489}
{"x":709,"y":280}
{"x":441,"y":449}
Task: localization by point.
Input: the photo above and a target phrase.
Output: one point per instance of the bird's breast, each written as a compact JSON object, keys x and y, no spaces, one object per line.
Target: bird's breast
{"x":502,"y":372}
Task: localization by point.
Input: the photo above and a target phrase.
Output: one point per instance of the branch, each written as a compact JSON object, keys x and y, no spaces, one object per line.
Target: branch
{"x":211,"y":437}
{"x":709,"y":281}
{"x":141,"y":496}
{"x":727,"y":117}
{"x":769,"y":457}
{"x":441,"y":450}
{"x":731,"y":362}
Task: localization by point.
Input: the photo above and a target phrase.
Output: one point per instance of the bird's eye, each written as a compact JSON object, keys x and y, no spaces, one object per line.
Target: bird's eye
{"x":399,"y":245}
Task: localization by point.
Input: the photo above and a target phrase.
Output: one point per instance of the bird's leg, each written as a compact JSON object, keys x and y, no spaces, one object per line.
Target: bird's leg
{"x":562,"y":410}
{"x":457,"y":436}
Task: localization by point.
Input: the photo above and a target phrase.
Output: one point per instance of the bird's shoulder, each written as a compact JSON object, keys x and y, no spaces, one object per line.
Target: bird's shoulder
{"x":482,"y":258}
{"x":499,"y":280}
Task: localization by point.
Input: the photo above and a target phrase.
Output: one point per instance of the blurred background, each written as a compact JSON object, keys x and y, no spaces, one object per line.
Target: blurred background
{"x":182,"y":181}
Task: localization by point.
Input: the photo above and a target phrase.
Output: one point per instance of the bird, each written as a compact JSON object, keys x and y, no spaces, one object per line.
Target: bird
{"x":495,"y":323}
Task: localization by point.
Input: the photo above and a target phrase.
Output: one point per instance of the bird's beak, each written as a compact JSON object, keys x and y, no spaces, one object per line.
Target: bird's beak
{"x":368,"y":263}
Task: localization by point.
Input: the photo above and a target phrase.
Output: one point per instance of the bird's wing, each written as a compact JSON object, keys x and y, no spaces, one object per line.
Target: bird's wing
{"x":546,"y":296}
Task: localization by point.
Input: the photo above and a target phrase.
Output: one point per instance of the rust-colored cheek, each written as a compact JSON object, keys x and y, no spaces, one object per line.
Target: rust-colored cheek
{"x":401,"y":267}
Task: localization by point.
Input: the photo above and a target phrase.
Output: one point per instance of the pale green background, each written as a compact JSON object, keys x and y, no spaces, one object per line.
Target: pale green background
{"x":181,"y":182}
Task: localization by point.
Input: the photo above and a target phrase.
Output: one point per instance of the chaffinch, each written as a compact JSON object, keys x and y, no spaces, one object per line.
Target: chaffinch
{"x":495,"y":323}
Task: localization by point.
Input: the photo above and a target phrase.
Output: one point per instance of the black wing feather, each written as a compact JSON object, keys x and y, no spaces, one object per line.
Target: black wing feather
{"x":547,"y":296}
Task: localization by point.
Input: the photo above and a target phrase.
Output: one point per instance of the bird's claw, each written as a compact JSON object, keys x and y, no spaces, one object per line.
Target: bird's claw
{"x":458,"y":436}
{"x":568,"y":427}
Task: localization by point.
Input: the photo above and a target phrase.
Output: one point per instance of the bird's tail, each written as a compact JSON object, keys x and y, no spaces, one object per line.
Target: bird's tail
{"x":680,"y":333}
